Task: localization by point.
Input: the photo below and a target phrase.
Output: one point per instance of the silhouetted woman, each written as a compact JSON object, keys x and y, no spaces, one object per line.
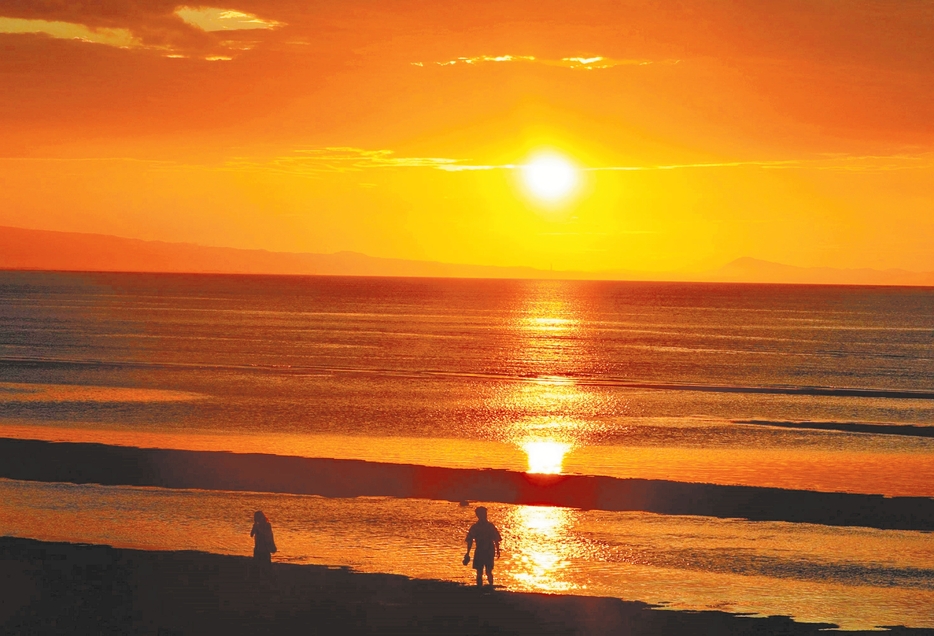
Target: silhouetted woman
{"x":263,"y":543}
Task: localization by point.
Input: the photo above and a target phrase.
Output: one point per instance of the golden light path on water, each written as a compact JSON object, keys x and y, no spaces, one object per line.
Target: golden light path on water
{"x":541,"y":557}
{"x":542,"y":554}
{"x":546,"y":338}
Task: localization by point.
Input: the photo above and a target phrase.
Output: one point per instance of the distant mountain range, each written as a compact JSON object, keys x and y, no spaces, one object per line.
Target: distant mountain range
{"x":748,"y":269}
{"x":23,"y":249}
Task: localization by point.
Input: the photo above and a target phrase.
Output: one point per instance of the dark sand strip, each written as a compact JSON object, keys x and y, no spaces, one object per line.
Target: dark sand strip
{"x":61,"y":588}
{"x":909,"y":430}
{"x":33,"y":460}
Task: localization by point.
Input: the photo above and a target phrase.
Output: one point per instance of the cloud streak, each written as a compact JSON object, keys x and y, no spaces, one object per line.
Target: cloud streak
{"x":480,"y":59}
{"x":865,"y":163}
{"x":209,"y":33}
{"x":339,"y":159}
{"x":120,"y":38}
{"x":586,"y":63}
{"x":336,"y":159}
{"x":862,"y":163}
{"x":599,"y":62}
{"x":347,"y":159}
{"x":211,"y":19}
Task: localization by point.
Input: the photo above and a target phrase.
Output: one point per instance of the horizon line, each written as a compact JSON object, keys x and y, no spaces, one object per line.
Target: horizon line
{"x":712,"y":275}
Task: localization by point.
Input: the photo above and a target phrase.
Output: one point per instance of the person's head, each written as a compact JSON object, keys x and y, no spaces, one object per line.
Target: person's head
{"x":259,"y":517}
{"x":481,"y":513}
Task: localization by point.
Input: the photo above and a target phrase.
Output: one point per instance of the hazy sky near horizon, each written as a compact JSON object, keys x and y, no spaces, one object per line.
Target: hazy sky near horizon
{"x":799,"y":131}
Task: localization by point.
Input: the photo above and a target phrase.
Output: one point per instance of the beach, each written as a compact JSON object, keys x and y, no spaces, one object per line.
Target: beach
{"x":63,"y":588}
{"x":633,"y":301}
{"x":748,"y":450}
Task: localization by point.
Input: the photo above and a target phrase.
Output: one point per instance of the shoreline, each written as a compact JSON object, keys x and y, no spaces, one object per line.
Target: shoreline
{"x":67,"y":588}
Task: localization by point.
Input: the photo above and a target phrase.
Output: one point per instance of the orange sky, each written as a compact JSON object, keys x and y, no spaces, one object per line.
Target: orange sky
{"x":796,"y":131}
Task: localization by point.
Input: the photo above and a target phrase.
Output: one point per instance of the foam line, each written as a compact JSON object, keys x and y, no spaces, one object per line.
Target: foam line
{"x":909,"y":430}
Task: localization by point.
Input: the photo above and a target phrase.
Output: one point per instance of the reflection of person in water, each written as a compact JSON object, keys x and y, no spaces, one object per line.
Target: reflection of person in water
{"x":263,"y":543}
{"x":488,"y":538}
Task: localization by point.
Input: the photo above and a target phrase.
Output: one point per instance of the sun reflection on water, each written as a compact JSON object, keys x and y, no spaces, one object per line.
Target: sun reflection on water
{"x":545,"y":456}
{"x":547,"y":402}
{"x":541,"y":555}
{"x":547,"y":427}
{"x":553,"y":324}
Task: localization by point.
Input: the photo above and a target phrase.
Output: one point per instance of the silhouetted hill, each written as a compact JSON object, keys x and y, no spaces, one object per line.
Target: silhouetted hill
{"x":25,"y":249}
{"x":747,"y":269}
{"x":70,"y":251}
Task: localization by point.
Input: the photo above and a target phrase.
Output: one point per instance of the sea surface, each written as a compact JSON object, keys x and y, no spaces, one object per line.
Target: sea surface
{"x":800,"y":387}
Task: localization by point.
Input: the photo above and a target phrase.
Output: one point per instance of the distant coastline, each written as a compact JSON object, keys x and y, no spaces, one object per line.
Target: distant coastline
{"x":44,"y":250}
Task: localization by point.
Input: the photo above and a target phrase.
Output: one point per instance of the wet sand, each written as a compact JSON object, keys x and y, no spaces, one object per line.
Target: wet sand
{"x":81,"y":463}
{"x":62,"y":588}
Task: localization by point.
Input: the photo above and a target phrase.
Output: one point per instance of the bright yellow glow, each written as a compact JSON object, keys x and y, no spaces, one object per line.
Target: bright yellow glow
{"x":214,"y":19}
{"x":587,"y":161}
{"x":542,"y":556}
{"x":545,"y":456}
{"x":548,"y":432}
{"x":549,"y":177}
{"x":550,"y":324}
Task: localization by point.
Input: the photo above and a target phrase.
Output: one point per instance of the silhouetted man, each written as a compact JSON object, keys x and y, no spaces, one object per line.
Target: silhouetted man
{"x":487,"y":537}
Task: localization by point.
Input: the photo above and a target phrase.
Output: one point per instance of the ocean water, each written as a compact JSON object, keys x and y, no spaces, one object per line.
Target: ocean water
{"x":808,"y":388}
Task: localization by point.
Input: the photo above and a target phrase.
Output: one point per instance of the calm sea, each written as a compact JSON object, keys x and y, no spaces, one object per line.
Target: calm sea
{"x":807,"y":388}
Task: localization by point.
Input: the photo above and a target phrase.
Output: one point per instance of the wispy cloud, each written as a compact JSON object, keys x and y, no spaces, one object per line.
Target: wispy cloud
{"x":836,"y":161}
{"x":338,"y":159}
{"x":185,"y":32}
{"x":599,"y":62}
{"x":784,"y":163}
{"x":479,"y":59}
{"x":839,"y":162}
{"x":881,"y":163}
{"x":348,"y":159}
{"x":121,"y":38}
{"x":586,"y":63}
{"x":215,"y":19}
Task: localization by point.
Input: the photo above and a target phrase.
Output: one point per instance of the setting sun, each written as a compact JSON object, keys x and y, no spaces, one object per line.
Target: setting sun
{"x":546,"y":456}
{"x":549,"y":177}
{"x":309,"y":307}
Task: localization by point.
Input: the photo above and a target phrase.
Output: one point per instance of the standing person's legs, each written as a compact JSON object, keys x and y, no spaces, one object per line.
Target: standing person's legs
{"x":489,"y":573}
{"x":261,"y":565}
{"x":479,"y":576}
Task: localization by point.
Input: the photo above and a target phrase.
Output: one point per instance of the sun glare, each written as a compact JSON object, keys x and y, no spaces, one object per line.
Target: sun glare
{"x":545,"y":456}
{"x":549,"y":177}
{"x":542,"y":558}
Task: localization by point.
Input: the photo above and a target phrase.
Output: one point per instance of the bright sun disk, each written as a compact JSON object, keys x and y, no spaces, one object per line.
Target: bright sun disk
{"x":549,"y":177}
{"x":545,"y":456}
